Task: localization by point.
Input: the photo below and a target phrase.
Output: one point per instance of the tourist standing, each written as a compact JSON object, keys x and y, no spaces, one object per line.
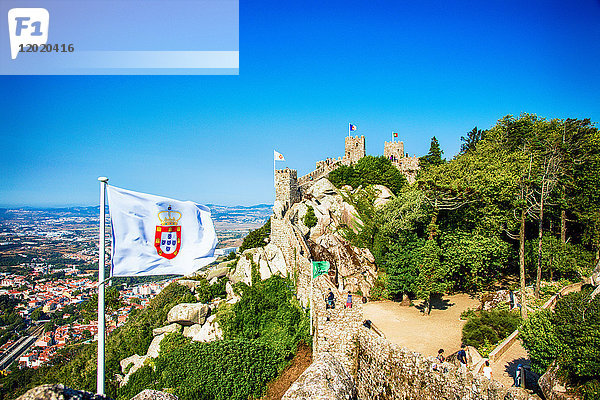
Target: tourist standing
{"x":349,"y":300}
{"x":487,"y":370}
{"x":462,"y":358}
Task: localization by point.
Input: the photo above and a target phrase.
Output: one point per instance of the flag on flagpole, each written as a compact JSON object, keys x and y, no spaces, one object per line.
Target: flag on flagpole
{"x":395,"y":134}
{"x":278,"y":156}
{"x":154,"y":235}
{"x":320,"y":268}
{"x":352,"y":127}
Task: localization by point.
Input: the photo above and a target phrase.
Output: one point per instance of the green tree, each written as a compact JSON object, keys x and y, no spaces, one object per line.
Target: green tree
{"x":432,"y":278}
{"x":570,"y":336}
{"x":473,"y":137}
{"x":310,"y":218}
{"x":473,"y":259}
{"x":539,"y":338}
{"x":434,"y":157}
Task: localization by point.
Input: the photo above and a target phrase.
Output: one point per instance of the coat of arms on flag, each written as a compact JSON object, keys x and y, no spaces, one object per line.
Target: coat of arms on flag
{"x":168,"y":234}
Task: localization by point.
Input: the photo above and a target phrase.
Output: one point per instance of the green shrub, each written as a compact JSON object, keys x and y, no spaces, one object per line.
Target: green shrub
{"x":229,"y":369}
{"x":269,"y":312}
{"x":590,"y":390}
{"x":489,"y":328}
{"x":369,"y":170}
{"x":571,"y":336}
{"x":539,"y":338}
{"x":310,"y":218}
{"x":256,"y":238}
{"x":379,"y":290}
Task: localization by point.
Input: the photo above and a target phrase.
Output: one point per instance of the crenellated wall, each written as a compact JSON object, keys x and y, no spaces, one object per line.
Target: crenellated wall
{"x":354,"y":149}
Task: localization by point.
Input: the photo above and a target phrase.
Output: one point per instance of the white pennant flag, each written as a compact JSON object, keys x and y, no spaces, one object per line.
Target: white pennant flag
{"x":278,"y":156}
{"x":154,"y":235}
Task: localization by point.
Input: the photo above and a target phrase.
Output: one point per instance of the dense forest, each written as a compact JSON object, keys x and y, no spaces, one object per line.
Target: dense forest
{"x":521,"y":199}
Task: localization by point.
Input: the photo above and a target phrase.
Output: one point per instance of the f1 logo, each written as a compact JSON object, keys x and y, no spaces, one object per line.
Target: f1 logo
{"x":27,"y":26}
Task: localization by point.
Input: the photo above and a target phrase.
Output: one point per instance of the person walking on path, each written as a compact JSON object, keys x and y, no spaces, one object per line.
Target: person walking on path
{"x":349,"y":300}
{"x":462,"y":358}
{"x":487,"y":370}
{"x":330,"y":300}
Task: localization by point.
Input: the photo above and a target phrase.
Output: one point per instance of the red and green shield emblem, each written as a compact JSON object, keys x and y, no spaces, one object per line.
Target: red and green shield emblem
{"x":168,"y":241}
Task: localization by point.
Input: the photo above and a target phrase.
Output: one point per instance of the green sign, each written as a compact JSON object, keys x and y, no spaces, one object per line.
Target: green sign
{"x":320,"y":268}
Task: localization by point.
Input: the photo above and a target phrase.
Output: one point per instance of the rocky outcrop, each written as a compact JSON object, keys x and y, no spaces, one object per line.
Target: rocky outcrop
{"x":189,"y":283}
{"x":269,"y":259}
{"x":135,"y":361}
{"x":554,"y":387}
{"x":154,"y":347}
{"x":384,"y":195}
{"x":492,"y":300}
{"x":324,"y":379}
{"x":352,"y":268}
{"x":171,"y":328}
{"x":188,"y":313}
{"x":232,"y":297}
{"x":208,"y":332}
{"x":154,"y":395}
{"x":60,"y":392}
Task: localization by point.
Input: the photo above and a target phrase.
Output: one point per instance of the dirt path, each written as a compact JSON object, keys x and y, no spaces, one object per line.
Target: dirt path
{"x":301,"y":361}
{"x":410,"y":328}
{"x":503,"y":369}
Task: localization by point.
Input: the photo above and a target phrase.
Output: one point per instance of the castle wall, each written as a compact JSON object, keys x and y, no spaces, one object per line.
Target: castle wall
{"x":393,"y":150}
{"x":387,"y":371}
{"x":286,"y":187}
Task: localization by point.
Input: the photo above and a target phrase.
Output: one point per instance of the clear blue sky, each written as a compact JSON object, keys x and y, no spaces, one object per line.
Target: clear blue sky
{"x":307,"y":69}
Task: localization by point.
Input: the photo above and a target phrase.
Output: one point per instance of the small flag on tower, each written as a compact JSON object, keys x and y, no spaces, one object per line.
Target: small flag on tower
{"x":395,"y":134}
{"x":278,"y":156}
{"x":352,"y":127}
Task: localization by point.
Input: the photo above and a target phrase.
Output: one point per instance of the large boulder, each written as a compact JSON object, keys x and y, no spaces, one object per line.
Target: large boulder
{"x":232,"y":297}
{"x":129,"y":365}
{"x":219,"y":271}
{"x":192,"y":330}
{"x":60,"y":392}
{"x":171,"y":328}
{"x":355,"y":266}
{"x":269,"y":259}
{"x":321,"y":188}
{"x":154,"y":347}
{"x":208,"y":332}
{"x":324,"y":379}
{"x":188,"y":313}
{"x":149,"y":394}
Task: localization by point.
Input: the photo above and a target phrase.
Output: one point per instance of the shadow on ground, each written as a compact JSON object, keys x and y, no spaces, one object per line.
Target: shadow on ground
{"x":437,"y":303}
{"x":531,"y":378}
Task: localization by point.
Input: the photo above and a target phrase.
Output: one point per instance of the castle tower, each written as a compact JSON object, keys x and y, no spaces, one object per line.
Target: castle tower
{"x":287,"y":191}
{"x":393,"y":150}
{"x":355,"y":149}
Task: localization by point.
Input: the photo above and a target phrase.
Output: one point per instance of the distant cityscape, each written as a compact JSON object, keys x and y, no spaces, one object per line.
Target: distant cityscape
{"x":48,"y":270}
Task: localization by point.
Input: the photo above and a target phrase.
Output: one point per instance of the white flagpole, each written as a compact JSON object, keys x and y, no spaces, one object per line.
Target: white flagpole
{"x":101,"y":283}
{"x":311,"y":305}
{"x":274,"y":181}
